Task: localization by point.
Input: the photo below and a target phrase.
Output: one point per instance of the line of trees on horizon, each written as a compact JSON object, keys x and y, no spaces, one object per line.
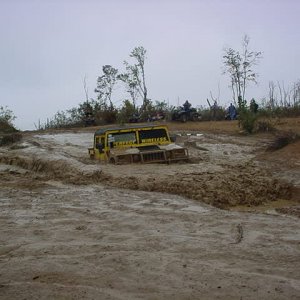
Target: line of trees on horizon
{"x":239,"y":66}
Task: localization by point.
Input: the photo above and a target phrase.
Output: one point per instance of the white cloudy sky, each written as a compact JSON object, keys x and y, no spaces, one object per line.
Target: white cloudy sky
{"x":48,"y":46}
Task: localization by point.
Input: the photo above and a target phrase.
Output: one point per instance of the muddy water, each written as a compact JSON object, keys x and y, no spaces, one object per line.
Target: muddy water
{"x":222,"y":172}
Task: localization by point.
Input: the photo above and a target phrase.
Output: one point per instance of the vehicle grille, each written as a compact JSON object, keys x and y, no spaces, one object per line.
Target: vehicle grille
{"x":151,"y":157}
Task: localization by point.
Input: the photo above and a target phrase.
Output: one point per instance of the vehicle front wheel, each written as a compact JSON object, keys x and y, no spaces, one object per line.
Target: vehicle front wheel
{"x":112,"y":161}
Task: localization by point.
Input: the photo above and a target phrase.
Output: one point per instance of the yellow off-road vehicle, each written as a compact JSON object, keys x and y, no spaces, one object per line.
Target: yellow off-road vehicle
{"x":136,"y":144}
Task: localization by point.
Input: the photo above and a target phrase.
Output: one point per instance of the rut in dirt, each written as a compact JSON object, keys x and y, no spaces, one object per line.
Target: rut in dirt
{"x":240,"y":185}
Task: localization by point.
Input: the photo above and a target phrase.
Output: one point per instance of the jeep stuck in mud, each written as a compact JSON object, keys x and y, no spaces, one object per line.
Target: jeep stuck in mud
{"x":136,"y":144}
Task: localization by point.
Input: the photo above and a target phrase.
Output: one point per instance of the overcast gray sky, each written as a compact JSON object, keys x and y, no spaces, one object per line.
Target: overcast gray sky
{"x":48,"y":46}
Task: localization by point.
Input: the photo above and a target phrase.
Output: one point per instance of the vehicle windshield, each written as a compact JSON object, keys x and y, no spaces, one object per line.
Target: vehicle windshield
{"x":122,"y":138}
{"x":153,"y":136}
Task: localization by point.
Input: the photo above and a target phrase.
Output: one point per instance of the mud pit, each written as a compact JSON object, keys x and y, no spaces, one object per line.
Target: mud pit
{"x":75,"y":229}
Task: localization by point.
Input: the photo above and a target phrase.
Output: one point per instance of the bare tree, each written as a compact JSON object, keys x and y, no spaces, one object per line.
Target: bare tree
{"x":272,"y":97}
{"x":215,"y":99}
{"x":86,"y":90}
{"x":284,"y":94}
{"x":296,"y":93}
{"x":288,"y":96}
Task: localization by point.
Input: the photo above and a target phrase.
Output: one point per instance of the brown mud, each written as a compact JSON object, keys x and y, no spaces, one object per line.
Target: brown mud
{"x":72,"y":228}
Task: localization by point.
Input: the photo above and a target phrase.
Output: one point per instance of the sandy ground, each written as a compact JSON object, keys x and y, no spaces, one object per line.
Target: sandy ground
{"x":72,"y":228}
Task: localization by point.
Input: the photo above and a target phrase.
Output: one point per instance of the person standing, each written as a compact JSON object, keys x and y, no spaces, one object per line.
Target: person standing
{"x":232,"y":112}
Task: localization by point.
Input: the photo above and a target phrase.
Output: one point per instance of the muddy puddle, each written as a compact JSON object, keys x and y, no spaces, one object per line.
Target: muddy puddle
{"x":222,"y":170}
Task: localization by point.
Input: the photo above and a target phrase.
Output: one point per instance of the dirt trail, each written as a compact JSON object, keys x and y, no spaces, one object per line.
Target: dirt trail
{"x":69,"y":232}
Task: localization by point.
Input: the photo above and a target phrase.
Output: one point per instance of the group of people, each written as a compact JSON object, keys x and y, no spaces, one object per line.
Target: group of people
{"x":231,"y":112}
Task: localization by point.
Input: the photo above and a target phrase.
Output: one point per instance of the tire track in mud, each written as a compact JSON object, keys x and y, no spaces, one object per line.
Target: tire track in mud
{"x":242,"y":186}
{"x":60,"y":169}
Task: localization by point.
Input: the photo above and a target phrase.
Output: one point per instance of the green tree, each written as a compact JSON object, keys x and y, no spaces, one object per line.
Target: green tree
{"x":136,"y":73}
{"x":239,"y":66}
{"x":105,"y":85}
{"x":131,"y":83}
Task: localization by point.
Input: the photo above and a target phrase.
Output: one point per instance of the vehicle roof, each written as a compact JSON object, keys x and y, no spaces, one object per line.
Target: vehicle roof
{"x":102,"y":131}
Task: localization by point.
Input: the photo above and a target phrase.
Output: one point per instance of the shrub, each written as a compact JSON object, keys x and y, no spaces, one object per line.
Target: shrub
{"x":5,"y":127}
{"x":210,"y":114}
{"x":126,"y":112}
{"x":7,"y":139}
{"x":247,"y":119}
{"x":110,"y":116}
{"x":6,"y":115}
